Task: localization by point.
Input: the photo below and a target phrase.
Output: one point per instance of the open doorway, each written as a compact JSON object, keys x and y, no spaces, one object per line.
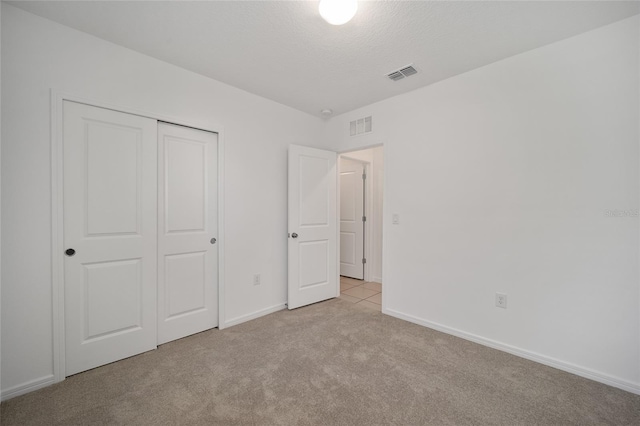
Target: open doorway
{"x":361,"y":201}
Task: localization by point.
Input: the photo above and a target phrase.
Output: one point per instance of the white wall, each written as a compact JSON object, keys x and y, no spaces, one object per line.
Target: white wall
{"x":375,"y":158}
{"x":502,"y":178}
{"x":38,"y":55}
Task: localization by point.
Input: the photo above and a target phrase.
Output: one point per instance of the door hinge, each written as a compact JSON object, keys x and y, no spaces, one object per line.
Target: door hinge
{"x":364,"y":218}
{"x":364,"y":261}
{"x":364,"y":176}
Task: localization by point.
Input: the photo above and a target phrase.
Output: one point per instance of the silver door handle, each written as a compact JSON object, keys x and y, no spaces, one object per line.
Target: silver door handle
{"x":294,"y":235}
{"x":213,"y":241}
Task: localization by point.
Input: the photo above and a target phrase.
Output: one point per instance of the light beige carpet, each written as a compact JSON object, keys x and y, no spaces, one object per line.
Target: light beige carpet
{"x":333,"y":363}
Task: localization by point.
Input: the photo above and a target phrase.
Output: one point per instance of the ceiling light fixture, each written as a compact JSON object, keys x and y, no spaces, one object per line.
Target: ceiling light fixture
{"x":338,"y":12}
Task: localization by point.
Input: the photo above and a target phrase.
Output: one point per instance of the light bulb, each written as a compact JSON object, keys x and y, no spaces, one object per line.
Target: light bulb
{"x":338,"y":12}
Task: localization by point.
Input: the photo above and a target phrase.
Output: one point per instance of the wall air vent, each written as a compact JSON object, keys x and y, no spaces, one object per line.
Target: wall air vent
{"x":360,"y":126}
{"x":407,"y":71}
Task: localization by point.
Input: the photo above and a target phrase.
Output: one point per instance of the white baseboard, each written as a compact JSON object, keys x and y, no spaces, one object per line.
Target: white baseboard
{"x":27,"y":387}
{"x":45,"y":381}
{"x":376,"y":279}
{"x":523,"y":353}
{"x":254,"y":315}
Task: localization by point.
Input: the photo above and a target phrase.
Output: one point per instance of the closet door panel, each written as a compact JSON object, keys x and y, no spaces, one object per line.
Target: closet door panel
{"x":110,"y":235}
{"x":187,"y":229}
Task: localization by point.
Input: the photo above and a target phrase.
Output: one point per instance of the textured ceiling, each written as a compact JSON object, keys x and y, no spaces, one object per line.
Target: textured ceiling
{"x":284,"y":51}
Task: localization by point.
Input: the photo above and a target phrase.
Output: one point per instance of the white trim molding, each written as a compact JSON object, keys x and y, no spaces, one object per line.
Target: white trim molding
{"x":523,"y":353}
{"x":27,"y":387}
{"x":221,"y":233}
{"x":256,"y":314}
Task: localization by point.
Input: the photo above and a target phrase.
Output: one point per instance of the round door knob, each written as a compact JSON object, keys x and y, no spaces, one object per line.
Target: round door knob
{"x":213,"y":241}
{"x":294,"y":235}
{"x":70,"y":252}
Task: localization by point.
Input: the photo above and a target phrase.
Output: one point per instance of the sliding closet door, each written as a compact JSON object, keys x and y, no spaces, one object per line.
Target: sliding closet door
{"x":110,"y":235}
{"x":187,"y":231}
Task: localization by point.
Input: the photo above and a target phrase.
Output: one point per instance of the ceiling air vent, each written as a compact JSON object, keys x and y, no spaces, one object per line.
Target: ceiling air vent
{"x":407,"y":71}
{"x":395,"y":76}
{"x":360,"y":126}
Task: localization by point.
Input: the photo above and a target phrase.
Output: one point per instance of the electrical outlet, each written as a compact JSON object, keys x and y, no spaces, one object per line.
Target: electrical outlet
{"x":395,"y":219}
{"x":256,"y":279}
{"x":501,"y":300}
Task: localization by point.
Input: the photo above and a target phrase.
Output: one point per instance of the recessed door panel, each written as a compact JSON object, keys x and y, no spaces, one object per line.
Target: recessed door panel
{"x":110,"y":223}
{"x":314,"y":256}
{"x":348,"y":248}
{"x":112,"y":298}
{"x":187,"y":220}
{"x":314,"y":192}
{"x":185,"y":183}
{"x":347,"y":196}
{"x":185,"y":275}
{"x":113,"y":183}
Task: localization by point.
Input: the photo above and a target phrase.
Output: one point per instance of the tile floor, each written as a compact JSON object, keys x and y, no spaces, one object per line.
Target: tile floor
{"x":362,"y":292}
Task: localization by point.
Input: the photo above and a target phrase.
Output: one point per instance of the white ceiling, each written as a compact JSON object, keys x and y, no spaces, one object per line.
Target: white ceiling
{"x":284,"y":51}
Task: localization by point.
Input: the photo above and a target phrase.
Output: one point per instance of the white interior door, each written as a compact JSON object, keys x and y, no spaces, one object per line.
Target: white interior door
{"x":110,"y":228}
{"x":187,"y":231}
{"x":352,"y":218}
{"x":313,"y":274}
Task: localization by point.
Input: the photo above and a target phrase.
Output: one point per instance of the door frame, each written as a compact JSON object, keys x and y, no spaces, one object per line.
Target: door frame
{"x":384,"y":214}
{"x":57,"y":210}
{"x":368,"y":207}
{"x":371,"y":169}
